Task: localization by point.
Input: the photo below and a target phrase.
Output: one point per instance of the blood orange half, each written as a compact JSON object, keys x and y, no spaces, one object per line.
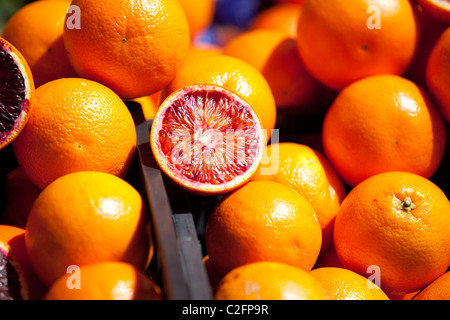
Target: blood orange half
{"x":16,"y":90}
{"x":207,"y":139}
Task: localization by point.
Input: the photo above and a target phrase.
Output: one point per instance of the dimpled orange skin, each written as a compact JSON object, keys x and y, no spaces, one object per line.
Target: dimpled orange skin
{"x":343,"y":284}
{"x":374,"y":228}
{"x":36,"y":30}
{"x":278,"y":224}
{"x":105,"y":281}
{"x":270,"y":281}
{"x":438,"y":74}
{"x":383,"y":123}
{"x":76,"y":125}
{"x":439,"y":289}
{"x":349,"y":49}
{"x":309,"y":173}
{"x":233,"y":74}
{"x":133,"y":47}
{"x":84,"y":218}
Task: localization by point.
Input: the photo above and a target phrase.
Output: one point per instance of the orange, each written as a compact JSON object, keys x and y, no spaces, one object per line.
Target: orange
{"x":233,"y":74}
{"x":133,"y":47}
{"x":383,"y":123}
{"x":199,"y":14}
{"x":274,"y":54}
{"x":20,"y":196}
{"x":263,"y":221}
{"x":270,"y":281}
{"x":283,"y":17}
{"x":398,"y":222}
{"x":105,"y":281}
{"x":343,"y":284}
{"x":439,"y":289}
{"x":16,"y":93}
{"x":439,"y":9}
{"x":76,"y":125}
{"x":84,"y":218}
{"x":37,"y":31}
{"x":309,"y":173}
{"x":343,"y":41}
{"x":438,"y":73}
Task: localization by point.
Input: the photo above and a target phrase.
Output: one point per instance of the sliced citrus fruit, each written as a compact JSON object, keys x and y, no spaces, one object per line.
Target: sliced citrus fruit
{"x":207,"y":139}
{"x":16,"y":90}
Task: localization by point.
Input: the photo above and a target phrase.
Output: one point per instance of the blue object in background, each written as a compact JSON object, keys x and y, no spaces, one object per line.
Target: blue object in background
{"x":236,"y":12}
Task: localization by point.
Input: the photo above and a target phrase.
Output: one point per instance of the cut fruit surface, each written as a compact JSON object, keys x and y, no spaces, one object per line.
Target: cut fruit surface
{"x":207,"y":139}
{"x":16,"y":89}
{"x":18,"y":281}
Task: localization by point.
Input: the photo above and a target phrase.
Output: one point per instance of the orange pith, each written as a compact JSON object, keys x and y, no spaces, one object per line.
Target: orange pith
{"x":207,"y":139}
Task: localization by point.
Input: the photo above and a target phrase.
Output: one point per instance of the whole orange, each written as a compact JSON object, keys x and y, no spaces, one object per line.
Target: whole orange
{"x":343,"y":41}
{"x":76,"y":125}
{"x":309,"y":173}
{"x":383,"y":123}
{"x":233,"y":74}
{"x":438,"y":73}
{"x":270,"y":281}
{"x":282,"y":16}
{"x":83,"y":218}
{"x":105,"y":281}
{"x":399,"y":224}
{"x":199,"y":14}
{"x":274,"y":54}
{"x":36,"y":30}
{"x":344,"y":284}
{"x":439,"y":289}
{"x":263,"y":221}
{"x":133,"y":47}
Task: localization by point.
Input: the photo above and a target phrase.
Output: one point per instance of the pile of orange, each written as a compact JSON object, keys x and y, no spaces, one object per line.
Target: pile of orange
{"x":320,"y":130}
